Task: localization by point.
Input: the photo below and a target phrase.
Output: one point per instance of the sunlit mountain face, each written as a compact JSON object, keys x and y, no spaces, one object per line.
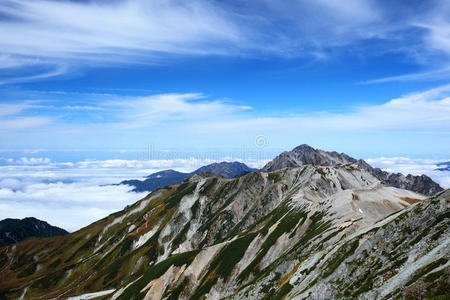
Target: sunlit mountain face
{"x":204,"y":149}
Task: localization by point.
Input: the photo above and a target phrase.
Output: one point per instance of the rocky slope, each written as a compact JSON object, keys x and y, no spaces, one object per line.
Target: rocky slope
{"x":403,"y":256}
{"x":307,"y":232}
{"x":305,"y":154}
{"x":170,"y":177}
{"x":16,"y":230}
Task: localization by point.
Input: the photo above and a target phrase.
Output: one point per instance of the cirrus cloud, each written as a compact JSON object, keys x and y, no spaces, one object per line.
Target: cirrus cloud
{"x":52,"y":38}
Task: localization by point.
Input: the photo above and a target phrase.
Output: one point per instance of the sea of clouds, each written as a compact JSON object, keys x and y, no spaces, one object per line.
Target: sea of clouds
{"x":74,"y":194}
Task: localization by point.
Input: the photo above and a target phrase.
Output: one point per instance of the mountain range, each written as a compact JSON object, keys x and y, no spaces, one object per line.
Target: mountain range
{"x":299,"y":156}
{"x":331,"y":231}
{"x":169,"y":177}
{"x":16,"y":230}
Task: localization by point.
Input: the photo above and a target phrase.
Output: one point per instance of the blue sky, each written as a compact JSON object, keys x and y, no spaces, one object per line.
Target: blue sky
{"x":108,"y":78}
{"x":95,"y":92}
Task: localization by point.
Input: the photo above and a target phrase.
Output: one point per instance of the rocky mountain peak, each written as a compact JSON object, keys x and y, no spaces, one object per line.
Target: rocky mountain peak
{"x":304,"y":148}
{"x":305,"y":154}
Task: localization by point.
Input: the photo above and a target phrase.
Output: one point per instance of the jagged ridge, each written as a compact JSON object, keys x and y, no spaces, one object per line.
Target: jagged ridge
{"x":305,"y":154}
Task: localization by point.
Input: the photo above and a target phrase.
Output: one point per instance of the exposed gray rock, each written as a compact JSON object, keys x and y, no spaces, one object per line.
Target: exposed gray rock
{"x":420,"y":184}
{"x":306,"y":155}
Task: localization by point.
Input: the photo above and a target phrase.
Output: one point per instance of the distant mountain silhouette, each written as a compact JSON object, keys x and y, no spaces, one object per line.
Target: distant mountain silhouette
{"x":170,"y":177}
{"x":444,"y":166}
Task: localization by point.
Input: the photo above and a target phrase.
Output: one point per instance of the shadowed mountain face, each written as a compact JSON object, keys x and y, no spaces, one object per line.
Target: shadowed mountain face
{"x":306,"y":155}
{"x":226,"y":169}
{"x":156,"y":180}
{"x":16,"y":230}
{"x":169,"y":177}
{"x":444,"y":166}
{"x":311,"y":232}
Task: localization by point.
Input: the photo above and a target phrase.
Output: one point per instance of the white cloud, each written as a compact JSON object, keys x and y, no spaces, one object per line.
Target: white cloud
{"x":437,"y":24}
{"x":21,"y":123}
{"x":82,"y":107}
{"x":32,"y":161}
{"x":11,"y":116}
{"x":142,"y":31}
{"x":432,"y":50}
{"x":93,"y":28}
{"x":7,"y":109}
{"x":54,"y":70}
{"x":320,"y":24}
{"x":172,"y":120}
{"x":63,"y":194}
{"x":122,"y":31}
{"x":68,"y":205}
{"x":424,"y":111}
{"x":8,"y":61}
{"x":421,"y":76}
{"x":146,"y":111}
{"x":60,"y":36}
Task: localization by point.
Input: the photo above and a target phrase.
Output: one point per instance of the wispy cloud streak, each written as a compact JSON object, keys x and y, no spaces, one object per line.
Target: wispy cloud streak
{"x":68,"y":34}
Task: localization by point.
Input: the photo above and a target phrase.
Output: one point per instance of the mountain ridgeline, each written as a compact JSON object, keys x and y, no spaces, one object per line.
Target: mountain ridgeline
{"x":16,"y":230}
{"x":169,"y":177}
{"x":299,"y":156}
{"x":332,"y":231}
{"x":306,"y":155}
